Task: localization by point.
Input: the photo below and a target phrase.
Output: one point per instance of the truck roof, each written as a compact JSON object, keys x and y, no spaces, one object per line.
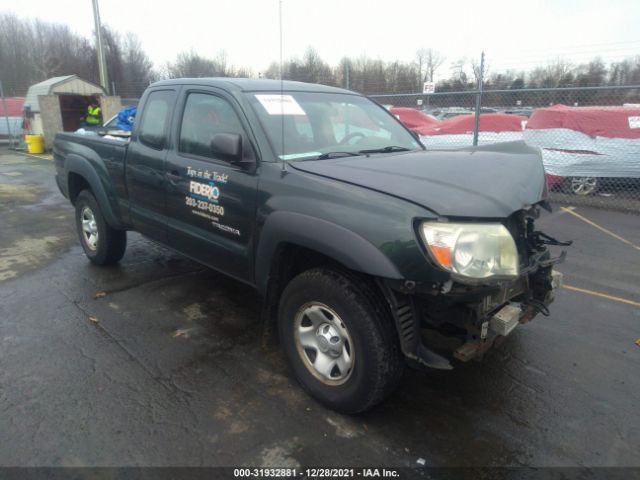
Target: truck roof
{"x":253,"y":85}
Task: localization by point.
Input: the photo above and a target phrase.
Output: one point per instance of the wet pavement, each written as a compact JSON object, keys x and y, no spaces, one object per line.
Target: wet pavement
{"x":160,"y":361}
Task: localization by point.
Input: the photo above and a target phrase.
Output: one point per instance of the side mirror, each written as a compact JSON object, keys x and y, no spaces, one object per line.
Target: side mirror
{"x":228,"y":146}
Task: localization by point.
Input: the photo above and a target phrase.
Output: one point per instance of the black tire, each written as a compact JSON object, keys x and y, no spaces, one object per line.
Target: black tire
{"x":377,"y":359}
{"x":110,"y":244}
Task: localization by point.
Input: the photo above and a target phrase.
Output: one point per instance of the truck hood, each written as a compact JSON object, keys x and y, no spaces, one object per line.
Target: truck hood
{"x":490,"y":181}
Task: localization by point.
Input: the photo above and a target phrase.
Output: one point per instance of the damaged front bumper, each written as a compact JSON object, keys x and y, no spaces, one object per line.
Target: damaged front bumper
{"x":492,"y":329}
{"x":465,"y":322}
{"x":462,"y":318}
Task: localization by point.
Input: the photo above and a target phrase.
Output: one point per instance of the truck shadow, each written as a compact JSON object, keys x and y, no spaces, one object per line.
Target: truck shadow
{"x":452,"y":418}
{"x":460,"y":417}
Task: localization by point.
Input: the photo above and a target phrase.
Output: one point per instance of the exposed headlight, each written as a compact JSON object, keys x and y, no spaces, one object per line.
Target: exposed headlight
{"x":474,"y":250}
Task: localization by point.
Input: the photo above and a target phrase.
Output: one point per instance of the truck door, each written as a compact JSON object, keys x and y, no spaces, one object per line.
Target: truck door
{"x":146,"y":155}
{"x":210,"y":202}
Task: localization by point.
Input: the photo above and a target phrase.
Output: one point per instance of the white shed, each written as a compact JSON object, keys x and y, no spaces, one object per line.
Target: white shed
{"x":60,"y":104}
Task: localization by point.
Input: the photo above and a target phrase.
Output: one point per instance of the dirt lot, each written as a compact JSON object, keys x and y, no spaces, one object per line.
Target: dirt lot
{"x":159,"y":361}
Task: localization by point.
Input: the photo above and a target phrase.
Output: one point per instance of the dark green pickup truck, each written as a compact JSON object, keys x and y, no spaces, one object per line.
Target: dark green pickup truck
{"x":370,"y":252}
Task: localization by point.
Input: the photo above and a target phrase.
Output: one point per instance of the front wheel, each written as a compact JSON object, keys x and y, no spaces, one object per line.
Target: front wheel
{"x":339,"y":339}
{"x":103,"y":244}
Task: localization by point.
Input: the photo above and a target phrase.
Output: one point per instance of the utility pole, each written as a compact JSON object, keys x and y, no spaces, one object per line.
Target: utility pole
{"x":102,"y":62}
{"x":280,"y":67}
{"x":478,"y":101}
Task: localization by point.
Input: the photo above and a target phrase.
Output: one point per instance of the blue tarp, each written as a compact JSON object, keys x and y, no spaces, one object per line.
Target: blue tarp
{"x":126,"y":117}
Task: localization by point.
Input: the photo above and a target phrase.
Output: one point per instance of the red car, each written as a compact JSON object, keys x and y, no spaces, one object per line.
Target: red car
{"x":554,"y":180}
{"x":414,"y":119}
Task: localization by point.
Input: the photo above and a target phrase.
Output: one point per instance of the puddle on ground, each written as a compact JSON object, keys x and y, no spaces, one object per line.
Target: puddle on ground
{"x":234,"y":422}
{"x":27,"y":253}
{"x":194,"y":312}
{"x":12,"y":160}
{"x":345,"y":427}
{"x":279,"y":455}
{"x":20,"y":192}
{"x":217,"y":308}
{"x":277,"y":385}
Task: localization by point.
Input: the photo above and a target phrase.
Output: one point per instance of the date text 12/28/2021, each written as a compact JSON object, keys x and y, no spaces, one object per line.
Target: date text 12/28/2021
{"x":316,"y":472}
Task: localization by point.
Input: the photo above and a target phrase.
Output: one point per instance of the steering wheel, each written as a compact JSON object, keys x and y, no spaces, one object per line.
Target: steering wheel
{"x":352,"y":135}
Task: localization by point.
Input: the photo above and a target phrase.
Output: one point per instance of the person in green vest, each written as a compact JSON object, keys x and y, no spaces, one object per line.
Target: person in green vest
{"x":94,"y":115}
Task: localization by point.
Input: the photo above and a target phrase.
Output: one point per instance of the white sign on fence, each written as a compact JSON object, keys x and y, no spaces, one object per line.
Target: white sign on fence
{"x":429,"y":87}
{"x":634,"y":122}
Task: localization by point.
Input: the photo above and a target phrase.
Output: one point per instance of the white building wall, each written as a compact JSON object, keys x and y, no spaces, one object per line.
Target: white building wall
{"x":36,"y":124}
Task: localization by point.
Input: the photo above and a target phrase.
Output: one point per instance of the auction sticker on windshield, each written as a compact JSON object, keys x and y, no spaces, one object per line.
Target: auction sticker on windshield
{"x":280,"y":105}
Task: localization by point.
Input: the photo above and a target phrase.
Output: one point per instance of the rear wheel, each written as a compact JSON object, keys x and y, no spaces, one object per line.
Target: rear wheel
{"x":102,"y":244}
{"x":339,"y":340}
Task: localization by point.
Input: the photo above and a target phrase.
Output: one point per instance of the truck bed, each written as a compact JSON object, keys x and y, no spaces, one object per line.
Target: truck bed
{"x":106,"y":155}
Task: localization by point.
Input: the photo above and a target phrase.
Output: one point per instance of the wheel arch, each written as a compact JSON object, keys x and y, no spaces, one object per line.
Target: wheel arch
{"x":80,"y":176}
{"x":288,"y":254}
{"x":291,"y":243}
{"x":337,"y":244}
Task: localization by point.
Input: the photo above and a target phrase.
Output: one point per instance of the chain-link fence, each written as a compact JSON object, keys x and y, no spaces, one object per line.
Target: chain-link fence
{"x":589,"y":137}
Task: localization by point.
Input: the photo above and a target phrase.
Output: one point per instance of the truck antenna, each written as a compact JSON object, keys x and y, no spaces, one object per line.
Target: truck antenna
{"x":284,"y":163}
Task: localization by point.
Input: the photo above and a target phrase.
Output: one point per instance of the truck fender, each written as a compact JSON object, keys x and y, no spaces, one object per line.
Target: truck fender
{"x":81,"y":166}
{"x":330,"y":239}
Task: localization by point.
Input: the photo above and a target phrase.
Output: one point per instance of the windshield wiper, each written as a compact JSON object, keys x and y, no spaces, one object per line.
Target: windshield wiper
{"x":390,"y":148}
{"x":328,"y":155}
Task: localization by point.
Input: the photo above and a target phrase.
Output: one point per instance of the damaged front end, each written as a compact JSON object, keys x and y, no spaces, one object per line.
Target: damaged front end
{"x":464,"y":318}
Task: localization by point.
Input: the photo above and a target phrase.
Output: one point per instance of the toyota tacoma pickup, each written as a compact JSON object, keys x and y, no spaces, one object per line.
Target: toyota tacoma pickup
{"x":370,"y":252}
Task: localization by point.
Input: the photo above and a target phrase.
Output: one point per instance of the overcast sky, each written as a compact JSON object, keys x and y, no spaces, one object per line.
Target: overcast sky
{"x":514,"y":34}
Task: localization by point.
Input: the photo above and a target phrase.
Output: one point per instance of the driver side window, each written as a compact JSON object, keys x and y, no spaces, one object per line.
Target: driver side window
{"x":205,"y":116}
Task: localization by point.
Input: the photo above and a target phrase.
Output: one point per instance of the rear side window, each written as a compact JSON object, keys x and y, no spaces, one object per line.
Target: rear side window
{"x":155,"y":118}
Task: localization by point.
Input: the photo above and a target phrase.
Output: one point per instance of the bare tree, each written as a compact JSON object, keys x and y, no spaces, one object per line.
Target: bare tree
{"x":434,"y":62}
{"x":221,"y":61}
{"x":34,"y":50}
{"x":592,"y":74}
{"x":421,"y":59}
{"x":459,"y":72}
{"x":113,"y":53}
{"x":428,"y":61}
{"x":273,"y":71}
{"x":475,"y":68}
{"x":192,"y":65}
{"x":137,"y":68}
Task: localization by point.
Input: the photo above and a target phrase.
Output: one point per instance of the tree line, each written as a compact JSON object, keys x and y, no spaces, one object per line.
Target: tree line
{"x":34,"y":50}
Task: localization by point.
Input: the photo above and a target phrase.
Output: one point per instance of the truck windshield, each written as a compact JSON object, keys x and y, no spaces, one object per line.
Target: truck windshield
{"x":327,"y":125}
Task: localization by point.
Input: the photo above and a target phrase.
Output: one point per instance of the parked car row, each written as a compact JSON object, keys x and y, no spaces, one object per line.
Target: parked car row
{"x":584,"y":149}
{"x":588,"y":149}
